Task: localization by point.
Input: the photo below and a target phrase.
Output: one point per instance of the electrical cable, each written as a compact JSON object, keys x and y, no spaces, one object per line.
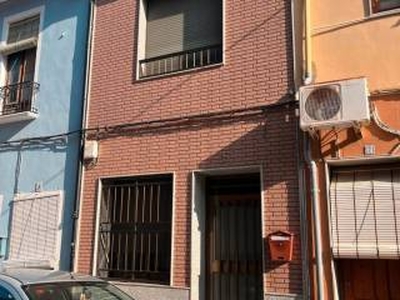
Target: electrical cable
{"x":154,"y":124}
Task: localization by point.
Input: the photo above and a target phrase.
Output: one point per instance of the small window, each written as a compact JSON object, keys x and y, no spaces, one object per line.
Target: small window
{"x":178,"y":35}
{"x":20,"y":58}
{"x":384,"y":5}
{"x":135,"y":229}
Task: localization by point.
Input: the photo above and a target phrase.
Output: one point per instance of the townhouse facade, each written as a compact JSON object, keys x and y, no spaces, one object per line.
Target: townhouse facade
{"x":42,"y":75}
{"x":347,"y":71}
{"x":191,"y":150}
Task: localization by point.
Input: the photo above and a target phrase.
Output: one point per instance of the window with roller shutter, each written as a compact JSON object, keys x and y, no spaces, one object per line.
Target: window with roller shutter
{"x":365,"y":213}
{"x":179,"y":35}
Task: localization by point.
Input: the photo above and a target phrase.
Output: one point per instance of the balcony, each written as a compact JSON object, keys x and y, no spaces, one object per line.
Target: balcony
{"x":180,"y":61}
{"x":16,"y":102}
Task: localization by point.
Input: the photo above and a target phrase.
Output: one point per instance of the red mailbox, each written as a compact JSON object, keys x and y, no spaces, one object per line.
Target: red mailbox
{"x":281,"y":246}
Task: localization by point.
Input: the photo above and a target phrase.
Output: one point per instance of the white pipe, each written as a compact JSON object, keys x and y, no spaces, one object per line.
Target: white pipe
{"x":292,"y":8}
{"x":333,"y":268}
{"x":308,"y":76}
{"x":317,"y":225}
{"x":79,"y":193}
{"x":316,"y":211}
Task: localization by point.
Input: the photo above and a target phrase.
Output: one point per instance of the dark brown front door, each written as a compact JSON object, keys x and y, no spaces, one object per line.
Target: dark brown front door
{"x":364,"y":279}
{"x":234,"y":245}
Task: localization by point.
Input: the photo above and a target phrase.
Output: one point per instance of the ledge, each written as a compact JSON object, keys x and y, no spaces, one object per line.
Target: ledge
{"x":18,"y":117}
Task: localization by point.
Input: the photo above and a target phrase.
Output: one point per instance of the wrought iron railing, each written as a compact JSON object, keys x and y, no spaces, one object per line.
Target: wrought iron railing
{"x":180,"y":61}
{"x":18,"y":97}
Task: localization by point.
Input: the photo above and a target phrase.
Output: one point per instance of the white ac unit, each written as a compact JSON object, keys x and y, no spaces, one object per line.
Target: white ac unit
{"x":334,"y":104}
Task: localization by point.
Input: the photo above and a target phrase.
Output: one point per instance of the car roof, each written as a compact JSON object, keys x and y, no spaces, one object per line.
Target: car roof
{"x":34,"y":276}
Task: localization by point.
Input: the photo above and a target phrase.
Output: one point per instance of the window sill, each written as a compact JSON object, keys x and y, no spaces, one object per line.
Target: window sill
{"x":177,"y":73}
{"x":18,"y":117}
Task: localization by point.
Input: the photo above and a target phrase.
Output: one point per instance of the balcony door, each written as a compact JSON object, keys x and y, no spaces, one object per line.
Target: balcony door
{"x":20,"y":75}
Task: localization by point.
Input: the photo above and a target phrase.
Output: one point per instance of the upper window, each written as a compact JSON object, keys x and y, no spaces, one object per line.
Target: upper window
{"x":384,"y":5}
{"x":135,"y":229}
{"x":177,"y":35}
{"x":19,"y":55}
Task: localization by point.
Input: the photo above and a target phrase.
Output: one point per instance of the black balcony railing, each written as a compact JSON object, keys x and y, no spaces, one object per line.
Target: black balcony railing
{"x":18,"y":97}
{"x":180,"y":61}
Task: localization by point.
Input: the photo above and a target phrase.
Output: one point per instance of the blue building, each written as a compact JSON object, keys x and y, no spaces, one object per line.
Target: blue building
{"x":42,"y":86}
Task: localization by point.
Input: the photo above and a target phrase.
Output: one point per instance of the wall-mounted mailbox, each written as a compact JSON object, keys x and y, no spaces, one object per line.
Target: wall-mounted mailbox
{"x":281,"y":246}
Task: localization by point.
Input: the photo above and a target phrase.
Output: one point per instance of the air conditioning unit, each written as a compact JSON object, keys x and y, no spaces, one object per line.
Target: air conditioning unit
{"x":334,"y":104}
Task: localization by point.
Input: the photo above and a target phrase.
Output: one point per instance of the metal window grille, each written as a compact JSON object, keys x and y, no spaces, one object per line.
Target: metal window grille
{"x":25,"y":29}
{"x":135,"y":229}
{"x":181,"y":61}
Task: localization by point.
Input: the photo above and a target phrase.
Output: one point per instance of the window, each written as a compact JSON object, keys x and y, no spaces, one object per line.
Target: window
{"x":384,"y":5}
{"x":35,"y":234}
{"x":19,"y":55}
{"x":5,"y":293}
{"x":177,"y":35}
{"x":135,"y":229}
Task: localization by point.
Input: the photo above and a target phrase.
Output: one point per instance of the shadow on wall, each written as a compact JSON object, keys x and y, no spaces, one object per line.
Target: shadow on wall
{"x":273,"y":145}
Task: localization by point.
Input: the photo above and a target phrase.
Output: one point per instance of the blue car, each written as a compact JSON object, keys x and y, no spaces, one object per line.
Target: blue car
{"x":40,"y":284}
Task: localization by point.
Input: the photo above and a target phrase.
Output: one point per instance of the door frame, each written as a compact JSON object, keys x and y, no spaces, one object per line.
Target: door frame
{"x":198,"y":225}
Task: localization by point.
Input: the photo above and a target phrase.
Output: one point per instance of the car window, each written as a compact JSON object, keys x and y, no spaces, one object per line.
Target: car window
{"x":74,"y":291}
{"x":5,"y":294}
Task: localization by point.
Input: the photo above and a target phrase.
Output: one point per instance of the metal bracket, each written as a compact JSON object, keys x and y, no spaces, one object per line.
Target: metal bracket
{"x":313,"y":133}
{"x":357,"y":129}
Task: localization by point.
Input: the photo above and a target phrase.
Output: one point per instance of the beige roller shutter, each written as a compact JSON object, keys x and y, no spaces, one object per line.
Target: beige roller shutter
{"x":36,"y":228}
{"x":180,"y":25}
{"x":365,"y":213}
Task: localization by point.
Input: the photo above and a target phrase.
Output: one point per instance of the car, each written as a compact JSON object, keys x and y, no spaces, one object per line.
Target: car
{"x":41,"y":284}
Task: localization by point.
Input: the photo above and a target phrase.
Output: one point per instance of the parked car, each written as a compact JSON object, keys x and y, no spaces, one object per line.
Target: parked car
{"x":39,"y":284}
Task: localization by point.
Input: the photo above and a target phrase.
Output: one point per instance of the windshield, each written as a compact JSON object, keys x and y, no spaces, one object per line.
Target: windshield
{"x":75,"y":291}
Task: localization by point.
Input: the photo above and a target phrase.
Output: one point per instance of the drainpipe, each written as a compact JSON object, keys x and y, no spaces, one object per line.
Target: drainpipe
{"x":308,"y":77}
{"x":81,"y":170}
{"x":301,"y":174}
{"x":316,"y":212}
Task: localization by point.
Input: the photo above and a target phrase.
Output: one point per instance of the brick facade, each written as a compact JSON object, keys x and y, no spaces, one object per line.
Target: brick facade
{"x":257,"y":71}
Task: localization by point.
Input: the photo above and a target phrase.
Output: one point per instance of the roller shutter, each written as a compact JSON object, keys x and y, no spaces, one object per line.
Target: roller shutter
{"x":180,"y":25}
{"x":36,"y":228}
{"x":365,"y":213}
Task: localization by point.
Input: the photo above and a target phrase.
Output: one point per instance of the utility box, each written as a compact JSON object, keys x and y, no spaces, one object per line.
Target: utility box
{"x":90,"y":150}
{"x":281,"y":246}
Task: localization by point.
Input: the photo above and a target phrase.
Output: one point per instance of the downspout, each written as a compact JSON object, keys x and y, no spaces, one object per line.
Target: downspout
{"x":315,"y":200}
{"x":308,"y":76}
{"x":81,"y":170}
{"x":316,"y":213}
{"x":301,"y":174}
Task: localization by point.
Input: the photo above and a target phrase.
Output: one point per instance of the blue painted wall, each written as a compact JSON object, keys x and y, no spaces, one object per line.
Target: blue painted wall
{"x":61,"y":62}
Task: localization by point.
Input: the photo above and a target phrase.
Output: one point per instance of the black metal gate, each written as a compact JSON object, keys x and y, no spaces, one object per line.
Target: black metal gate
{"x":234,"y":240}
{"x":135,"y":229}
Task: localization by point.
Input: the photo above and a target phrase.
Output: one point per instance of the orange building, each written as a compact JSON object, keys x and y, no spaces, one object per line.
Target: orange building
{"x":348,"y":76}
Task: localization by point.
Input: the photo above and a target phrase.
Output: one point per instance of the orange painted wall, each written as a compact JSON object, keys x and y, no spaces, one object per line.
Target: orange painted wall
{"x":348,"y":41}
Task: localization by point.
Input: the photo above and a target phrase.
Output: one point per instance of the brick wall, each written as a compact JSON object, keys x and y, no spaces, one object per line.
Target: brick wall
{"x":257,"y":71}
